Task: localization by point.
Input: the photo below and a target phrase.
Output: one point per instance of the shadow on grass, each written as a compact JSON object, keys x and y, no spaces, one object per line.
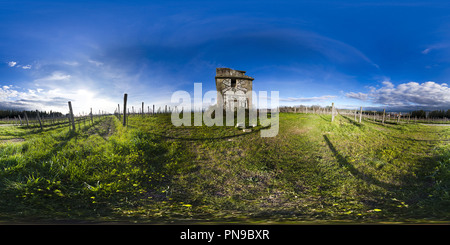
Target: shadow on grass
{"x":323,"y":117}
{"x":352,"y":121}
{"x":355,"y":172}
{"x":210,"y":138}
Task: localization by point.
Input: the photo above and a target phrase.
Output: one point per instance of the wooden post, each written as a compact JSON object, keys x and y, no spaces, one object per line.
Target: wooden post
{"x":398,"y":118}
{"x":125,"y":109}
{"x":355,"y":115}
{"x":142,"y":109}
{"x":332,"y":111}
{"x":360,"y":114}
{"x":153,"y":112}
{"x":71,"y":116}
{"x":26,"y":118}
{"x":20,"y":120}
{"x":39,"y":118}
{"x":118,"y":111}
{"x":92,"y":118}
{"x":384,"y":115}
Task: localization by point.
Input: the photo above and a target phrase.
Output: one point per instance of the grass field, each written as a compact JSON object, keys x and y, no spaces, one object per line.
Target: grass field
{"x":313,"y":171}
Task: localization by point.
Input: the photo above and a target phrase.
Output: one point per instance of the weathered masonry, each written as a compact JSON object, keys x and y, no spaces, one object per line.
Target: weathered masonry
{"x":233,"y":85}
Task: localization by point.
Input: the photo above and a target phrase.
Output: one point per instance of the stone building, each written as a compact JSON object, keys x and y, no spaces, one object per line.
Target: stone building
{"x":233,"y":86}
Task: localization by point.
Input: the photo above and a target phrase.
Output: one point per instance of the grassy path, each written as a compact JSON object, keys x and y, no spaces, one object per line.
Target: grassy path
{"x":151,"y":171}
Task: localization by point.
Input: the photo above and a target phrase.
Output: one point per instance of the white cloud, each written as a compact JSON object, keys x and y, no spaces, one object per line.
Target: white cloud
{"x":15,"y":64}
{"x":54,"y":99}
{"x":412,"y":94}
{"x":388,"y":84}
{"x":6,"y":93}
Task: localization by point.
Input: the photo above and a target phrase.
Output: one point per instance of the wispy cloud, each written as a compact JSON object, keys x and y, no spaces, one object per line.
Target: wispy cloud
{"x":95,"y":62}
{"x":55,"y":76}
{"x":426,"y":51}
{"x":309,"y":99}
{"x":435,"y":47}
{"x":12,"y":63}
{"x":359,"y":96}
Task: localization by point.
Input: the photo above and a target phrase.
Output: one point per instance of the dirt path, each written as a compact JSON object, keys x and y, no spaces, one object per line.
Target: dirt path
{"x":14,"y":140}
{"x":105,"y":128}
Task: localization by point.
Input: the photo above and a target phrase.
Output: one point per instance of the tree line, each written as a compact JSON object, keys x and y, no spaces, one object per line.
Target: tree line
{"x":431,"y":114}
{"x":14,"y":113}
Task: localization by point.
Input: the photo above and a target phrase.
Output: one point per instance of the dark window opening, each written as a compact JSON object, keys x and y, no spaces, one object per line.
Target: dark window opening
{"x":233,"y":82}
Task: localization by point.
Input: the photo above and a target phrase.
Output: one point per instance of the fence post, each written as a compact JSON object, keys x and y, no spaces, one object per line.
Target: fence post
{"x":92,"y":118}
{"x":360,"y":114}
{"x":125,"y":109}
{"x":71,"y":116}
{"x":39,"y":118}
{"x":118,"y":111}
{"x":384,"y":115}
{"x":332,"y":112}
{"x":26,"y":118}
{"x":142,"y":109}
{"x":153,"y":112}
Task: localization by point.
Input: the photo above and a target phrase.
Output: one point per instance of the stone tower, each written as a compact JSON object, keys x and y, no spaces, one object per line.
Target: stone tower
{"x":233,"y":86}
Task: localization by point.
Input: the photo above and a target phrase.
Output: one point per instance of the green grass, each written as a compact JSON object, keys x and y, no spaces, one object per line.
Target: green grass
{"x":151,"y":171}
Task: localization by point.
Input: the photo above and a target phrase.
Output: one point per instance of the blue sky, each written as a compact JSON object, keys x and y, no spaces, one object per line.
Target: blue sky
{"x":376,"y":54}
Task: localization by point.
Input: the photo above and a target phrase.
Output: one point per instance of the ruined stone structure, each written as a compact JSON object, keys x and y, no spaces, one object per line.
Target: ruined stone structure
{"x":233,"y":86}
